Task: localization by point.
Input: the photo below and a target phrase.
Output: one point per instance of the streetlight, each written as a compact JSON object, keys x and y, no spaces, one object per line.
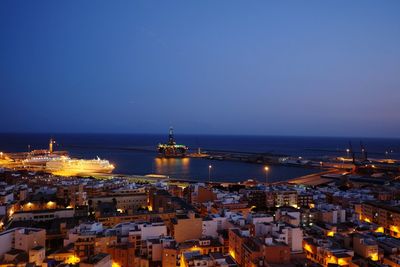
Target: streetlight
{"x":266,"y":168}
{"x":348,"y":151}
{"x":209,"y":173}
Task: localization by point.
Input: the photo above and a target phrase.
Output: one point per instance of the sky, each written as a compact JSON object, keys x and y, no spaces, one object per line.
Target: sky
{"x":314,"y":68}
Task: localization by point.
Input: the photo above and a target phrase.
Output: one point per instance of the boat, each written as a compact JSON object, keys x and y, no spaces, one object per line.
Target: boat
{"x":59,"y":163}
{"x":67,"y":166}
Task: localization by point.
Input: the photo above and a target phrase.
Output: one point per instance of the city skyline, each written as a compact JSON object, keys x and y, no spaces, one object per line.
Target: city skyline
{"x":292,"y":69}
{"x":200,"y":133}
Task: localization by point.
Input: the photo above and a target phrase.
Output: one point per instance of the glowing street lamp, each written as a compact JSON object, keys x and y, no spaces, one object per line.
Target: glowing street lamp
{"x":209,"y":173}
{"x":348,"y":151}
{"x":266,"y":168}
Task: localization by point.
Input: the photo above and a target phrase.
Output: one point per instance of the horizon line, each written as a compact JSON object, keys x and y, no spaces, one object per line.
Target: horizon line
{"x":202,"y":134}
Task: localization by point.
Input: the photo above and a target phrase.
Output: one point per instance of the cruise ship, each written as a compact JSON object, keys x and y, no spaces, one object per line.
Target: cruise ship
{"x":67,"y":166}
{"x":59,"y":163}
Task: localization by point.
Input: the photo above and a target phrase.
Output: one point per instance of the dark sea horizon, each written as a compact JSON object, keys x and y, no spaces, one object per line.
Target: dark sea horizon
{"x":144,"y":160}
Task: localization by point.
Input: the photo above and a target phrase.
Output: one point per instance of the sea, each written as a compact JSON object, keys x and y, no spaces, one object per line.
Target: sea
{"x":139,"y":156}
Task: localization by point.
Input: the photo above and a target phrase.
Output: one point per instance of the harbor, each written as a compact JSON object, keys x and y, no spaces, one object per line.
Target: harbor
{"x":218,"y":164}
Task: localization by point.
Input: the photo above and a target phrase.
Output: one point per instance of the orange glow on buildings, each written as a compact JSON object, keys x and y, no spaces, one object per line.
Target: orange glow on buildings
{"x":394,"y":228}
{"x":232,"y":254}
{"x":72,"y":260}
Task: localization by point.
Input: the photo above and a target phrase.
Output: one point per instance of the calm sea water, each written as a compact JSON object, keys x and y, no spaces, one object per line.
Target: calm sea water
{"x":140,"y":162}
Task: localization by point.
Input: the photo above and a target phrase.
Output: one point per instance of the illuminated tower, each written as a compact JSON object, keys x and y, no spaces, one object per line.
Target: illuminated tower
{"x":171,"y":139}
{"x":51,"y":145}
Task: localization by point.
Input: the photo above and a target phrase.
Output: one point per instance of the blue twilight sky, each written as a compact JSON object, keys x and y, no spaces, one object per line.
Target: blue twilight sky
{"x":209,"y":67}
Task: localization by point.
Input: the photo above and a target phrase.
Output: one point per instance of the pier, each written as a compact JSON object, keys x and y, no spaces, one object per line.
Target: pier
{"x":241,"y":156}
{"x":314,"y":179}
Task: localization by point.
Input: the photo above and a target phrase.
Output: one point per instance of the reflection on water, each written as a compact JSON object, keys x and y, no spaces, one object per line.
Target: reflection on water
{"x":172,"y":166}
{"x":88,"y":146}
{"x":227,"y":171}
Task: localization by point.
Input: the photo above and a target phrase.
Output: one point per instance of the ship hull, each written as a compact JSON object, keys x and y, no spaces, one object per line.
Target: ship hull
{"x":79,"y":172}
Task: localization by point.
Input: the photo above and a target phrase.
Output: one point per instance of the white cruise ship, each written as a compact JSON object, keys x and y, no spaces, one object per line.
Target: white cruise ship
{"x":59,"y":163}
{"x":70,"y":167}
